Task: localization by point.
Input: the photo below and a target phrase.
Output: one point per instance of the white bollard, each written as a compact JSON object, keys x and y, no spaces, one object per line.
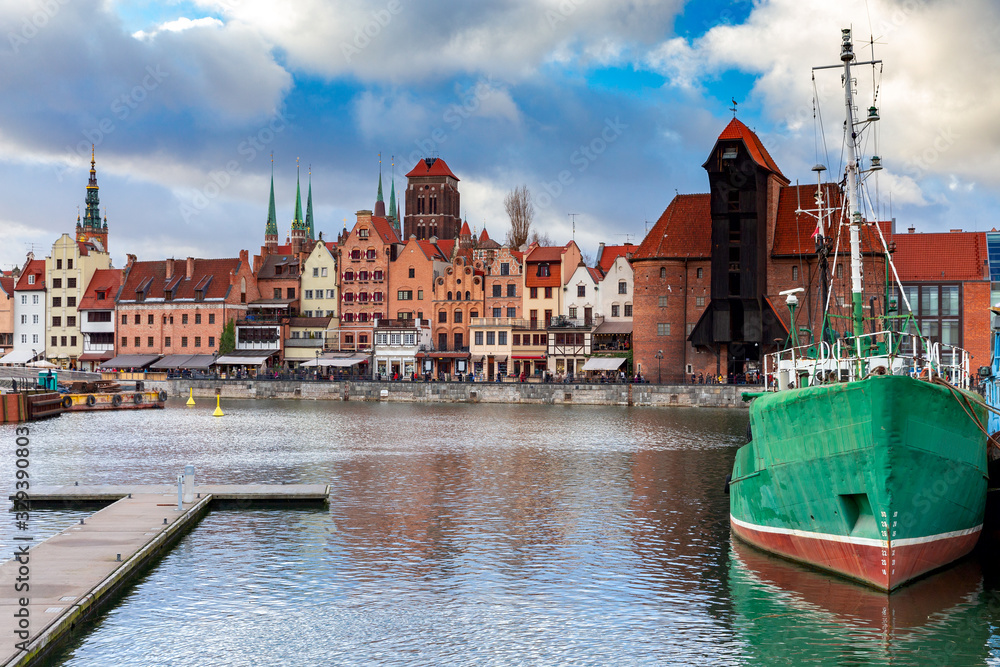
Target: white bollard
{"x":180,"y":493}
{"x":189,"y":484}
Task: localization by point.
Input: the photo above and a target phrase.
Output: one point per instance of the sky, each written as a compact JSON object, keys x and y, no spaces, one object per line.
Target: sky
{"x":604,"y":109}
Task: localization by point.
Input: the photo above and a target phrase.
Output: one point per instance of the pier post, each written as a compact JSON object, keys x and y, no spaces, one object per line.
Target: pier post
{"x":189,"y":484}
{"x":180,"y":494}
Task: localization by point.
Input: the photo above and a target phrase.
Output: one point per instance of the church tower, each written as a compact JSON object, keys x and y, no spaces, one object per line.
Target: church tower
{"x":432,"y":201}
{"x":298,"y":234}
{"x":310,"y":226}
{"x":92,"y":229}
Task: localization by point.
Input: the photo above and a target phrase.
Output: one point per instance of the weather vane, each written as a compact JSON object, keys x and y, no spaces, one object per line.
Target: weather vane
{"x":733,"y":108}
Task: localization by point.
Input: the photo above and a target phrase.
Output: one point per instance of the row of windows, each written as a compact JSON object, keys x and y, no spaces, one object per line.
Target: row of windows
{"x":699,"y":273}
{"x":407,"y":295}
{"x":581,"y":290}
{"x":533,"y":292}
{"x":361,"y":317}
{"x":364,"y":275}
{"x":616,"y":310}
{"x":69,"y":264}
{"x":492,"y":337}
{"x":363,"y":297}
{"x":58,"y":341}
{"x":319,"y":271}
{"x":290,"y":291}
{"x":319,"y":313}
{"x":166,"y":341}
{"x":34,"y":338}
{"x":369,"y":254}
{"x":70,"y":302}
{"x":24,"y":299}
{"x":70,"y":321}
{"x":24,"y":319}
{"x":395,"y":339}
{"x":309,"y":294}
{"x":57,"y":283}
{"x":167,"y":319}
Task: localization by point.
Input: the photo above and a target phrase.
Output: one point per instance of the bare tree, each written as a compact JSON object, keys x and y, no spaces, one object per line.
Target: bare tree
{"x":541,"y":239}
{"x":521,"y":212}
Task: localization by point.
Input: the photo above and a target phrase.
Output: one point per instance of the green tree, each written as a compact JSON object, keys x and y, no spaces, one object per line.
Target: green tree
{"x":227,"y":342}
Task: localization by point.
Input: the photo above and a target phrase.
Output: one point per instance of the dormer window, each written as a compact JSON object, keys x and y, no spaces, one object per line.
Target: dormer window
{"x":363,"y":233}
{"x":543,"y":270}
{"x":31,"y":279}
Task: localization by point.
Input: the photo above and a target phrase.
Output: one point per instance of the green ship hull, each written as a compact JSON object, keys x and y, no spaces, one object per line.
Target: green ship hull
{"x":880,"y":480}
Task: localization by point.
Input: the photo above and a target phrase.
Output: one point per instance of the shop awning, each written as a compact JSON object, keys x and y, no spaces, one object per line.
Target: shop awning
{"x":528,"y":357}
{"x":96,"y":356}
{"x":130,"y":361}
{"x":174,"y":361}
{"x":16,"y":357}
{"x":603,"y":363}
{"x":245,"y":357}
{"x":499,"y":358}
{"x":611,"y":328}
{"x":337,"y":362}
{"x":478,"y":358}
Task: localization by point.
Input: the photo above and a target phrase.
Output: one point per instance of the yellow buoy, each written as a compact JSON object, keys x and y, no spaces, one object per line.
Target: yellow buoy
{"x":218,"y":410}
{"x":190,"y":396}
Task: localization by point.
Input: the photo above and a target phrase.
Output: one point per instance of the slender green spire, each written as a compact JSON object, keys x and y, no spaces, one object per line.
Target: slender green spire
{"x":393,"y":217}
{"x":310,"y":228}
{"x":272,"y":218}
{"x":297,"y":223}
{"x":379,"y":187}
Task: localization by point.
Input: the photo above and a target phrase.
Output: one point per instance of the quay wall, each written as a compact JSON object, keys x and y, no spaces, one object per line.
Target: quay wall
{"x":715,"y":396}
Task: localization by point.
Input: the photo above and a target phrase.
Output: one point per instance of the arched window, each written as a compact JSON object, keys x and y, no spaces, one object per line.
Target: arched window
{"x":348,"y":276}
{"x":467,"y":296}
{"x":362,"y":317}
{"x":349,"y":297}
{"x":371,"y":253}
{"x":348,"y":317}
{"x":449,"y":295}
{"x":377,"y":275}
{"x":663,"y":272}
{"x":377,"y":297}
{"x":362,"y":275}
{"x":458,"y":317}
{"x":356,"y":254}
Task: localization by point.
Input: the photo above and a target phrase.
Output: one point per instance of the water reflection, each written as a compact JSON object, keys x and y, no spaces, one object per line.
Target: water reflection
{"x":472,"y":534}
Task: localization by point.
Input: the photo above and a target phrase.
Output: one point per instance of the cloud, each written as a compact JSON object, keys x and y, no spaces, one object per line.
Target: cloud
{"x":179,"y":25}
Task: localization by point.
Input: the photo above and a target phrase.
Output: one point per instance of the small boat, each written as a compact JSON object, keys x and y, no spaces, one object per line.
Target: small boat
{"x":867,"y":455}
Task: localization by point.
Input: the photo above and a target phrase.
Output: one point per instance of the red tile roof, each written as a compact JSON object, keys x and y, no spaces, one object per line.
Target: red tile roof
{"x":595,"y":274}
{"x":683,"y":230}
{"x":793,"y":232}
{"x":385,"y":230}
{"x":465,"y":231}
{"x":156,"y":272}
{"x":430,"y":250}
{"x":431,"y":166}
{"x":7,"y":285}
{"x":106,"y":280}
{"x":484,"y":236}
{"x":552,"y":253}
{"x":613,"y":252}
{"x":35,"y":267}
{"x":944,"y":256}
{"x":447,"y":247}
{"x":737,"y":130}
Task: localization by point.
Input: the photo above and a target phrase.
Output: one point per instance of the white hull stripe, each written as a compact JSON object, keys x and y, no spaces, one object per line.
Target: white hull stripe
{"x":863,"y":541}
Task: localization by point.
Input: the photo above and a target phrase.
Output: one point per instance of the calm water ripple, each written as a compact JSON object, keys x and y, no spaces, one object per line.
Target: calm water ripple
{"x":477,"y":534}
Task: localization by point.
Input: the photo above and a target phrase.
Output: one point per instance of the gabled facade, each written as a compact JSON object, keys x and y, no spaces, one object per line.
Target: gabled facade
{"x":397,"y":344}
{"x":547,"y":269}
{"x":504,"y":282}
{"x":364,"y":256}
{"x":412,"y":275}
{"x":583,"y":298}
{"x":97,"y":318}
{"x":458,"y":299}
{"x":29,"y":310}
{"x":69,"y":269}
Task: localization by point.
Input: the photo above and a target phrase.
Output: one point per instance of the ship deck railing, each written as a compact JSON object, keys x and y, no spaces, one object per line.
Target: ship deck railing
{"x":847,"y":360}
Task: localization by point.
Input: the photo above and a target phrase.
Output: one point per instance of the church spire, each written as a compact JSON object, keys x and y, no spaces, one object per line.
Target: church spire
{"x":310,"y":228}
{"x":92,"y":216}
{"x":379,"y":203}
{"x":272,"y":219}
{"x":393,"y":214}
{"x":297,"y":223}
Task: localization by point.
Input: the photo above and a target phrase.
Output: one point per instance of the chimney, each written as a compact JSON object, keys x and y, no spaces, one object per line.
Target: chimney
{"x":244,"y":256}
{"x":190,"y":268}
{"x":912,"y":229}
{"x":600,"y":253}
{"x":170,"y":268}
{"x":954,"y":230}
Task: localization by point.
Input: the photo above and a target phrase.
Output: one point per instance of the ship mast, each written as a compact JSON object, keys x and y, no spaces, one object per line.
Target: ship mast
{"x":853,"y":200}
{"x":857,"y":298}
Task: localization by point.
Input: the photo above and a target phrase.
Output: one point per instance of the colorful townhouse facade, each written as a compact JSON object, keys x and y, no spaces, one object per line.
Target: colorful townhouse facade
{"x":97,"y":318}
{"x":69,"y":270}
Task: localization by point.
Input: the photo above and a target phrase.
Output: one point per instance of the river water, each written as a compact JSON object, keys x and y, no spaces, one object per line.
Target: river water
{"x":478,"y":534}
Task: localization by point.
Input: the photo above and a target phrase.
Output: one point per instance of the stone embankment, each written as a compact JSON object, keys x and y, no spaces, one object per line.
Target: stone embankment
{"x":714,"y":396}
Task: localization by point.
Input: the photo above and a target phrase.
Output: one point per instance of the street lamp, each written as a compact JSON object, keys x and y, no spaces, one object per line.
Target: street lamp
{"x":658,"y":355}
{"x":317,"y":364}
